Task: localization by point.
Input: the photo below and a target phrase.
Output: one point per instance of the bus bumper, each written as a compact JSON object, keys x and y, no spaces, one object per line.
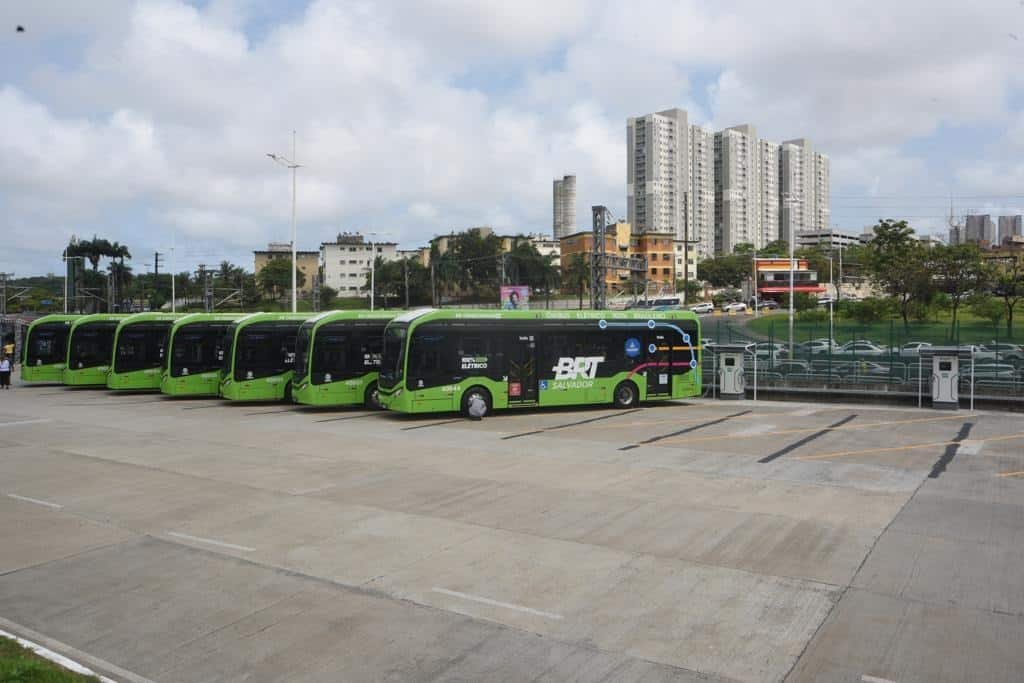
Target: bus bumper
{"x":86,"y":377}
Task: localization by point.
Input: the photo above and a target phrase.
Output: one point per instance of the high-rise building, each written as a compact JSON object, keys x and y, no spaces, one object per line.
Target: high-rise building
{"x":346,"y":261}
{"x":803,"y":189}
{"x":700,"y":215}
{"x":658,"y":160}
{"x":768,"y":158}
{"x":1010,"y":226}
{"x":979,"y":228}
{"x":564,"y":207}
{"x":737,"y":189}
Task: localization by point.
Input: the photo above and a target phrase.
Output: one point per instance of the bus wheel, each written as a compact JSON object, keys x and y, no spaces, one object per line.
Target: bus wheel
{"x":626,"y":395}
{"x":471,"y":395}
{"x":288,"y":392}
{"x":371,"y":397}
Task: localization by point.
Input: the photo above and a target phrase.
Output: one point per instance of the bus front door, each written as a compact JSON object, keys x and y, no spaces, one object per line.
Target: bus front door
{"x":522,"y":370}
{"x":659,"y":369}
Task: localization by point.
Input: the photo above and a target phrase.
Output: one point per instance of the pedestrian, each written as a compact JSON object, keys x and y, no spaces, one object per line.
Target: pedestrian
{"x":5,"y":372}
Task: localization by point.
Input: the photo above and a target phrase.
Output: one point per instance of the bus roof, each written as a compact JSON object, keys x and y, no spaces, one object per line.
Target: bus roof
{"x":150,"y":317}
{"x":272,"y":317}
{"x":427,"y":315}
{"x":193,"y":318}
{"x":335,"y":316}
{"x":55,"y":318}
{"x":99,"y":318}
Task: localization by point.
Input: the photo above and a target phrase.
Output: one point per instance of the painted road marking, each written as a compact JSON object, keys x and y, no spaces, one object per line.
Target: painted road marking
{"x":44,"y":503}
{"x":268,"y":412}
{"x":806,"y":440}
{"x":755,"y":429}
{"x":351,"y":417}
{"x":497,"y":603}
{"x":863,"y":425}
{"x":36,"y":639}
{"x":25,"y":422}
{"x":934,"y":444}
{"x":572,"y":424}
{"x":655,"y":439}
{"x":1011,"y":474}
{"x":210,"y":541}
{"x":875,"y":679}
{"x":971,"y":446}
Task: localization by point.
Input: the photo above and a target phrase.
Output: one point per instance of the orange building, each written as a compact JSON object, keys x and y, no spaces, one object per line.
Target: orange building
{"x":582,"y":244}
{"x":659,"y":250}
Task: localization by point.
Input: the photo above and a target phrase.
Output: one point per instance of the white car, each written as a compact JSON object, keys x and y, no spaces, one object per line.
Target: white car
{"x":702,"y":308}
{"x":862,"y":348}
{"x":736,"y":306}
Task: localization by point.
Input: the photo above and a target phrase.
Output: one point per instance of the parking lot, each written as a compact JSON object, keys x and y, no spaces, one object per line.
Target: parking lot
{"x":195,"y":540}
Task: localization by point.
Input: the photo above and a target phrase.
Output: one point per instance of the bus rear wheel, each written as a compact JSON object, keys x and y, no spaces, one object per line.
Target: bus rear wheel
{"x":288,"y":392}
{"x":626,"y":395}
{"x":371,"y":397}
{"x":476,"y":393}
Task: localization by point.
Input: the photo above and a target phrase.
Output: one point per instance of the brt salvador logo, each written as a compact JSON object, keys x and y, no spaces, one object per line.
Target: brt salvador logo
{"x":580,"y":367}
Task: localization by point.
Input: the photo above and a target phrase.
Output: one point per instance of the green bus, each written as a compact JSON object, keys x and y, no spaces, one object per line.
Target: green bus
{"x":139,"y":345}
{"x":337,"y":356}
{"x":195,"y":353}
{"x":440,"y":360}
{"x":262,"y":357}
{"x":90,"y":347}
{"x":44,"y":350}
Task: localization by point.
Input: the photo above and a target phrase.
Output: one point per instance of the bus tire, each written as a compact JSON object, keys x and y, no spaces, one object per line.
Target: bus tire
{"x":371,"y":397}
{"x":287,"y":392}
{"x":484,"y":395}
{"x":626,"y":395}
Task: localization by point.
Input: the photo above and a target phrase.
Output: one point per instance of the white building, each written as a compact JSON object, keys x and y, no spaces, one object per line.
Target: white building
{"x":658,"y":172}
{"x":829,"y":240}
{"x":701,"y":199}
{"x":803,"y":189}
{"x":346,"y":262}
{"x":548,"y":246}
{"x":563,"y":207}
{"x":685,"y":260}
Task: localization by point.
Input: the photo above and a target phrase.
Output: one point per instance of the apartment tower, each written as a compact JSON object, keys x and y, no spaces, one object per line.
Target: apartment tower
{"x":803,"y":189}
{"x":564,"y":207}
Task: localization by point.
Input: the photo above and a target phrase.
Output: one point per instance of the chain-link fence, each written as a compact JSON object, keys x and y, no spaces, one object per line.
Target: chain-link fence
{"x":868,"y":358}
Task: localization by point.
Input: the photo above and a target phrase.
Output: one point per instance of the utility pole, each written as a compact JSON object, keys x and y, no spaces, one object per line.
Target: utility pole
{"x":316,"y":293}
{"x":3,"y":293}
{"x":405,"y":269}
{"x":433,"y":285}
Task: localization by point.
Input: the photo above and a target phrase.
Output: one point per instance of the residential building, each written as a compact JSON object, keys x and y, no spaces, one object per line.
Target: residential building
{"x":803,"y":189}
{"x":659,"y":250}
{"x":1010,"y":226}
{"x":768,"y":195}
{"x":737,"y":189}
{"x":956,"y":235}
{"x":419,"y":254}
{"x":979,"y":229}
{"x":547,"y":246}
{"x":658,"y":161}
{"x":346,"y":262}
{"x":582,"y":244}
{"x":308,"y":262}
{"x":700,"y":227}
{"x":829,"y":240}
{"x":685,"y":260}
{"x":564,"y":207}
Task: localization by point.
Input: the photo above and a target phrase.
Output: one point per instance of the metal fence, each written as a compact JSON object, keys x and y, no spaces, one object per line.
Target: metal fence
{"x":860,"y":360}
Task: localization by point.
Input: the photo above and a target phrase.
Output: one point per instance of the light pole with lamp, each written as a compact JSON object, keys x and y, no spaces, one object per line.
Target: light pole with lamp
{"x":373,"y":264}
{"x":291,"y":163}
{"x":788,"y":199}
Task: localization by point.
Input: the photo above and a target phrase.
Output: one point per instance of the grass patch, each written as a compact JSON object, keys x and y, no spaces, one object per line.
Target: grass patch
{"x":20,"y":665}
{"x":971,"y":330}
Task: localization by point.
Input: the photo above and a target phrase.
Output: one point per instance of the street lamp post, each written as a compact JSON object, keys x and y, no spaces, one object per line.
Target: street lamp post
{"x":67,"y":258}
{"x":291,"y":163}
{"x":373,"y":265}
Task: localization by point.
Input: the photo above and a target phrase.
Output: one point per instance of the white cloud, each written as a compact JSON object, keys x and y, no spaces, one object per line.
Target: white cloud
{"x":163,"y":113}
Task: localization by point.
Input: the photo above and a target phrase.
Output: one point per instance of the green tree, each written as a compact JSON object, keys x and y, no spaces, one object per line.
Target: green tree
{"x":988,"y":308}
{"x":1007,"y":283}
{"x":957,"y":271}
{"x":897,"y":261}
{"x":724,"y":271}
{"x":275,"y":278}
{"x":576,"y":275}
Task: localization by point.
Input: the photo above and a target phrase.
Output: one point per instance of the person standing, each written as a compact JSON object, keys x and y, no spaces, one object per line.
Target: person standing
{"x":5,"y":372}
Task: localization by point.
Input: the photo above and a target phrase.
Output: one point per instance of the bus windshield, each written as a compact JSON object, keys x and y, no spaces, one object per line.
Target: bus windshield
{"x":265,"y":350}
{"x":47,"y":344}
{"x":92,"y":344}
{"x":141,"y":347}
{"x":393,"y":355}
{"x":345,"y":350}
{"x":198,"y":348}
{"x":302,"y":344}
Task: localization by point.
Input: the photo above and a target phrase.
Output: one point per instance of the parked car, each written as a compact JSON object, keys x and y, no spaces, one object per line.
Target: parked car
{"x":913,"y":349}
{"x":826,"y":300}
{"x":703,"y":308}
{"x":769,"y":349}
{"x":734,"y":307}
{"x":1007,"y":352}
{"x":862,"y":348}
{"x":767,"y":305}
{"x":988,"y":371}
{"x":815,"y":346}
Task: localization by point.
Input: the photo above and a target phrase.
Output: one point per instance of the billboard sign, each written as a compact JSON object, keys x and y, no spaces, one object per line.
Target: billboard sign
{"x":515,"y":297}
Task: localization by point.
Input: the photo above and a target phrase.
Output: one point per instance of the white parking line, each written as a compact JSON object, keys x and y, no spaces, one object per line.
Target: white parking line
{"x":25,"y":422}
{"x":496,"y":603}
{"x":210,"y":541}
{"x":971,"y":446}
{"x":875,"y":679}
{"x":46,"y":503}
{"x":755,"y":429}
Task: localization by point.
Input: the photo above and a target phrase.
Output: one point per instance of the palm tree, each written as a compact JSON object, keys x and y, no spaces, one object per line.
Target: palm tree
{"x":577,"y":274}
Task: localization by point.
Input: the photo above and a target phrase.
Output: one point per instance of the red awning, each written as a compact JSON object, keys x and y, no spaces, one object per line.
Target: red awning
{"x":798,"y":288}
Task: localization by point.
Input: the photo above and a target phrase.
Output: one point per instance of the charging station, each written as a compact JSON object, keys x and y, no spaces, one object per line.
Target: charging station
{"x":945,"y":363}
{"x":732,"y":383}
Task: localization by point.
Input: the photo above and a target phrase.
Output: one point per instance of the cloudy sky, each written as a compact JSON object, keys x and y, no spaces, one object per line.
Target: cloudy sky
{"x":139,"y":119}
